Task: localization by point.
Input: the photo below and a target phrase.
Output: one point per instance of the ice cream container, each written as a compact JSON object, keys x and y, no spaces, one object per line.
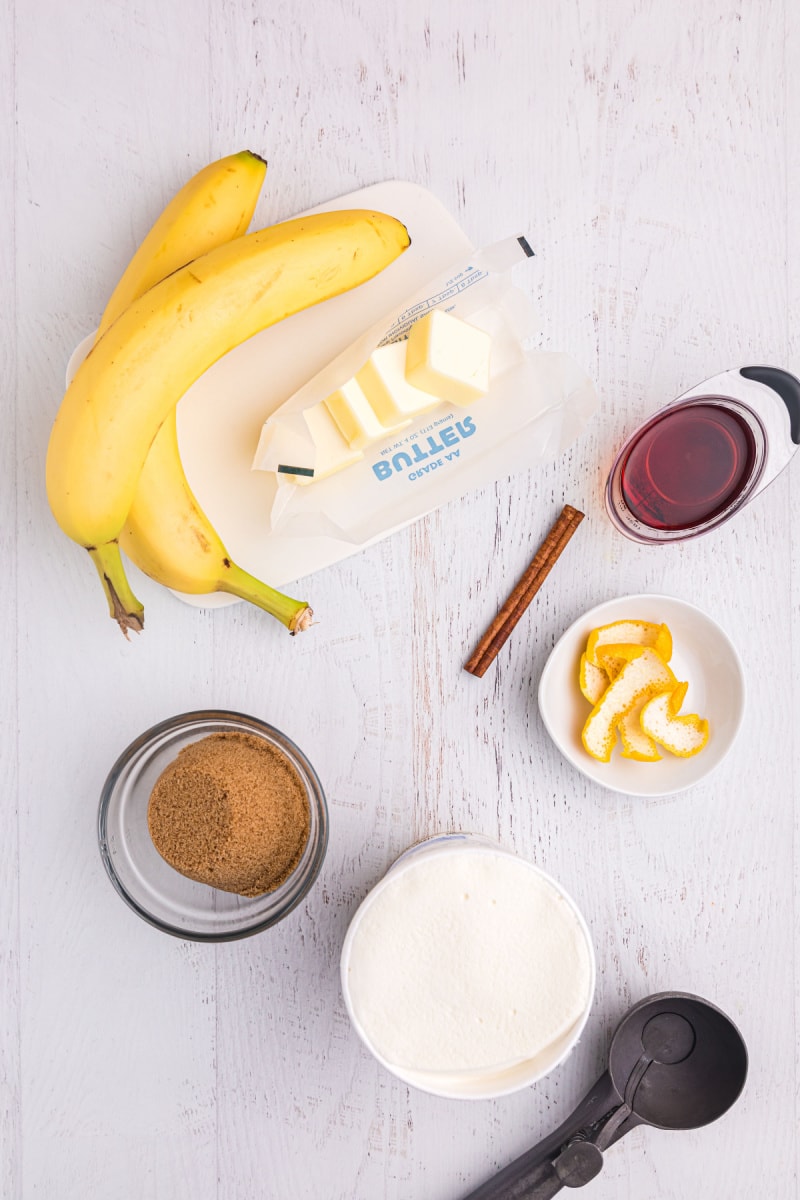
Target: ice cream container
{"x":467,"y":971}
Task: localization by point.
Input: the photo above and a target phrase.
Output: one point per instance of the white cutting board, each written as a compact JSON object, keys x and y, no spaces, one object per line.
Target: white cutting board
{"x":220,"y":417}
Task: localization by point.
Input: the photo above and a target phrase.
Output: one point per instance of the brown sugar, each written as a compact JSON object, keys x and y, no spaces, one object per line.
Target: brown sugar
{"x":231,"y":811}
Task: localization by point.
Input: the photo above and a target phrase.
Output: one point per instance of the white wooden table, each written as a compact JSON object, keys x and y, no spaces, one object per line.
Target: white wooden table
{"x":652,"y":153}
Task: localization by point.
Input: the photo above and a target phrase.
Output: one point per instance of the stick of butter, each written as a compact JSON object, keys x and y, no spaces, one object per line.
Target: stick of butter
{"x":356,"y":418}
{"x":445,"y":360}
{"x":448,"y":358}
{"x":307,"y":442}
{"x":383,"y":381}
{"x":332,"y":451}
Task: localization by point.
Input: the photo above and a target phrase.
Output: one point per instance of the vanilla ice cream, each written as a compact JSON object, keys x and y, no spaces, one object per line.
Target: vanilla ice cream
{"x":466,"y":958}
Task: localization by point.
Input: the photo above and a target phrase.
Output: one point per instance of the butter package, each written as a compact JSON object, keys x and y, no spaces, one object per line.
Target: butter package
{"x":438,"y":397}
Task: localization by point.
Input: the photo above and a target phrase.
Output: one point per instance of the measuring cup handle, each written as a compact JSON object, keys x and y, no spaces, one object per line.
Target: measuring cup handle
{"x":785,"y":386}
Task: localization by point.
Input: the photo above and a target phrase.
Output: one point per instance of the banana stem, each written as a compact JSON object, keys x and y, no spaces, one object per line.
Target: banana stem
{"x":294,"y":614}
{"x":122,"y":604}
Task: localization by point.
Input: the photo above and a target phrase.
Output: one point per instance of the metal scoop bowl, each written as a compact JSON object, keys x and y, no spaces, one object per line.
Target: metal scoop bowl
{"x":675,"y":1062}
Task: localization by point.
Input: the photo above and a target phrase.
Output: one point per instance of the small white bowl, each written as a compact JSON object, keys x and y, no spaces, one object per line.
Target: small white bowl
{"x":702,"y":654}
{"x":487,"y":1084}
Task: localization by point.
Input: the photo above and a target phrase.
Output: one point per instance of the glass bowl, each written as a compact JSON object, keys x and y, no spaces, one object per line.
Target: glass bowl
{"x":153,"y":889}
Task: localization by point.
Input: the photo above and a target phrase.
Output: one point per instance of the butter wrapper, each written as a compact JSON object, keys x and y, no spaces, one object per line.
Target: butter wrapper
{"x":536,"y":405}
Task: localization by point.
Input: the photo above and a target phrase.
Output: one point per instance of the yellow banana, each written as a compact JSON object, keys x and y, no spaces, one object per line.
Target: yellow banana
{"x":167,"y":534}
{"x":170,"y":538}
{"x":214,"y":207}
{"x":135,"y":374}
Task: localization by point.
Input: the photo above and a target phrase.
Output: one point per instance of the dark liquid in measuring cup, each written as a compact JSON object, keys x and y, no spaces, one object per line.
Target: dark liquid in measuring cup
{"x":688,"y":466}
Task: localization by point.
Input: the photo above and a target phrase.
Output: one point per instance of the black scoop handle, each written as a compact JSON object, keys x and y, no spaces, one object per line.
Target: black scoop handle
{"x":785,"y":386}
{"x":557,"y":1161}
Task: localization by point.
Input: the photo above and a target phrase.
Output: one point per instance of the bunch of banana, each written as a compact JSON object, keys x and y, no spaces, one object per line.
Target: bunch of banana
{"x":148,"y":354}
{"x":167,"y":534}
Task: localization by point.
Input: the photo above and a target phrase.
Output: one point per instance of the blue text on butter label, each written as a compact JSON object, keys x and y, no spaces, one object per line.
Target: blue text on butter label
{"x":426,"y":454}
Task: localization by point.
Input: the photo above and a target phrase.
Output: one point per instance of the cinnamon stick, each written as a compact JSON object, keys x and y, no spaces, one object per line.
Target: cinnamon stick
{"x":540,"y":567}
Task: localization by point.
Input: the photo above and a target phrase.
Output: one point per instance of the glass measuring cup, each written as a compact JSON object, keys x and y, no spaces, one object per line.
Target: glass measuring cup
{"x":700,"y":459}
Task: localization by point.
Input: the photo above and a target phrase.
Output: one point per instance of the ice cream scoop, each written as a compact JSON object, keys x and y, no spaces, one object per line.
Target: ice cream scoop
{"x":675,"y":1062}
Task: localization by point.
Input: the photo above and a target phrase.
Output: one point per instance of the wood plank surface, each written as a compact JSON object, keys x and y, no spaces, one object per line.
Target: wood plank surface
{"x":10,"y":1065}
{"x":117,"y":1022}
{"x":650,"y":152}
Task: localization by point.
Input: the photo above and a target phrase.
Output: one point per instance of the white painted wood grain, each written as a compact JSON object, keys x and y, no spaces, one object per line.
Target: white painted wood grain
{"x":117,"y":1023}
{"x":10,"y":1066}
{"x":651,"y":152}
{"x":793,"y":526}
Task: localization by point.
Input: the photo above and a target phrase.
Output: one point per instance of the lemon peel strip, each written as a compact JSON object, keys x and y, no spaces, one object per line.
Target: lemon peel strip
{"x":636,"y":744}
{"x":592,"y":680}
{"x":635,"y":633}
{"x":643,"y":677}
{"x":660,"y":719}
